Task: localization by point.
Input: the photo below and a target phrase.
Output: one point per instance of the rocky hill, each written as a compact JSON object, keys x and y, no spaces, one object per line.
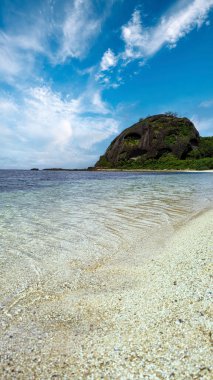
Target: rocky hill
{"x":160,"y":141}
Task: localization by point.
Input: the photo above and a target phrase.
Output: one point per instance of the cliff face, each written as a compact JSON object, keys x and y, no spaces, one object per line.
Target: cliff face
{"x":152,"y":138}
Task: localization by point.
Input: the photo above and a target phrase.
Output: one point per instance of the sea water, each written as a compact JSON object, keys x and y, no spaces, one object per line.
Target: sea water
{"x":50,"y":220}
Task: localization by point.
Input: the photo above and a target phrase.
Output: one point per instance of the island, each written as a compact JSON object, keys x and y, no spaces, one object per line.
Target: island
{"x":159,"y":142}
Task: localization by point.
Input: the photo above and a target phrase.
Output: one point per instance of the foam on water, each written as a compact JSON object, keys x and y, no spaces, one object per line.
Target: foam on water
{"x":49,"y":220}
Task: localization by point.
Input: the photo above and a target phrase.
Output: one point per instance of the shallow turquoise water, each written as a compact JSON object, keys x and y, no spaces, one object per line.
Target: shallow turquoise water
{"x":50,"y":219}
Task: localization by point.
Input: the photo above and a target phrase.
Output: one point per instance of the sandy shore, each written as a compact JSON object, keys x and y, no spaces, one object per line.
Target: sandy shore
{"x":130,"y":317}
{"x":155,"y":171}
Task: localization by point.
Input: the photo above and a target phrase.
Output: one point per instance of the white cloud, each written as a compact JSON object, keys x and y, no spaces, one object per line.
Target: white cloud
{"x":74,"y":28}
{"x":108,"y":60}
{"x":9,"y":59}
{"x":45,"y":118}
{"x":38,"y":126}
{"x":19,"y":51}
{"x":134,"y":37}
{"x":141,"y":42}
{"x":204,"y":125}
{"x":79,"y":29}
{"x":98,"y":104}
{"x":8,"y":114}
{"x":51,"y":118}
{"x":105,"y":72}
{"x":52,"y":131}
{"x":207,"y":103}
{"x":7,"y":105}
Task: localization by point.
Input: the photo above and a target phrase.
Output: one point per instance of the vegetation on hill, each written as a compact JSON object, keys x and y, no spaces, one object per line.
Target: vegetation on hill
{"x":159,"y":142}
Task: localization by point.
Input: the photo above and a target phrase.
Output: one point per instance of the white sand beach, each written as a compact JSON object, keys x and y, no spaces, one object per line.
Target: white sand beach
{"x":127,"y":318}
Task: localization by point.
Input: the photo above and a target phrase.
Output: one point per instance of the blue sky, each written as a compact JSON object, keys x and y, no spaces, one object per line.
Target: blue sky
{"x":74,"y":73}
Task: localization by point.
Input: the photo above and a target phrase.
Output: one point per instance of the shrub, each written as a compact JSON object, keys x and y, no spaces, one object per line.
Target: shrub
{"x":168,"y":162}
{"x":103,"y":162}
{"x":172,"y":114}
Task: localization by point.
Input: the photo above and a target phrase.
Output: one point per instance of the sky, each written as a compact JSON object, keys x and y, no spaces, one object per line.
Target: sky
{"x":75,"y":73}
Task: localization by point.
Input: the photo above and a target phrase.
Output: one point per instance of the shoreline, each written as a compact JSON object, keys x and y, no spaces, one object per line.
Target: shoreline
{"x":132,"y":317}
{"x":154,"y":171}
{"x":114,"y":170}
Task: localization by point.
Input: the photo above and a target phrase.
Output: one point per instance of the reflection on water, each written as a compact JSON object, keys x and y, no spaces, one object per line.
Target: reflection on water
{"x":48,"y":219}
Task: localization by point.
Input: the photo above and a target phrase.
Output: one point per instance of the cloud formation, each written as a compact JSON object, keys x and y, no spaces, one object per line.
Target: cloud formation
{"x":207,"y":103}
{"x":141,"y":42}
{"x":204,"y":125}
{"x":108,"y":60}
{"x":17,"y":54}
{"x":79,"y":29}
{"x":74,"y":31}
{"x":64,"y":130}
{"x":37,"y":122}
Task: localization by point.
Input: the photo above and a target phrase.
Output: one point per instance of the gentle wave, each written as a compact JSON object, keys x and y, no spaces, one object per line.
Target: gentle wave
{"x":49,"y":219}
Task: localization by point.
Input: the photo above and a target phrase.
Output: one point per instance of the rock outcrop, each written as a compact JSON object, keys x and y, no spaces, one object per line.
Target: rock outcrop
{"x":152,"y":138}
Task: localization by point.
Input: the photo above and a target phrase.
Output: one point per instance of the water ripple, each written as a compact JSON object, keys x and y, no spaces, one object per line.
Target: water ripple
{"x":48,"y":219}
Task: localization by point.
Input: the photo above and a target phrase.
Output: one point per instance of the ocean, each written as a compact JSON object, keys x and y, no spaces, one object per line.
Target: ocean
{"x":52,"y":222}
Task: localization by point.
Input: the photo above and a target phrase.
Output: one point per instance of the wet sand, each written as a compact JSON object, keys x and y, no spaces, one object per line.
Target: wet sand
{"x":125,"y":317}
